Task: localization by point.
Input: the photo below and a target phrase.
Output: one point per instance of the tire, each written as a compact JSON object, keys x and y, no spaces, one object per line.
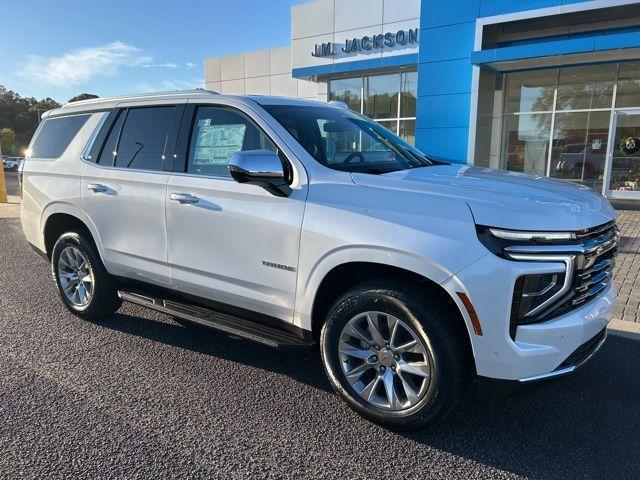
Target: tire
{"x":103,"y":300}
{"x":423,"y":318}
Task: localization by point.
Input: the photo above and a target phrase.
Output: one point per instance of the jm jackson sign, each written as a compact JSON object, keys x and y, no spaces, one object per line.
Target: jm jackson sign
{"x":374,"y":42}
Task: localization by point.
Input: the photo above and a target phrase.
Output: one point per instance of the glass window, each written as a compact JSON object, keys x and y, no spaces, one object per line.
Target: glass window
{"x":580,"y":147}
{"x":381,"y":96}
{"x":391,"y":125}
{"x":408,"y":94}
{"x":346,"y":141}
{"x":625,"y":162}
{"x":55,"y":134}
{"x":347,"y":90}
{"x":408,"y":131}
{"x":628,"y":94}
{"x":587,"y":87}
{"x":217,"y":134}
{"x":531,"y":91}
{"x":108,"y":153}
{"x":527,"y":143}
{"x":144,"y":137}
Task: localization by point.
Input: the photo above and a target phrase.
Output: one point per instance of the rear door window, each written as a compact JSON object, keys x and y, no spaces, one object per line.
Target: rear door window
{"x":55,"y":134}
{"x":143,"y":139}
{"x":108,"y":152}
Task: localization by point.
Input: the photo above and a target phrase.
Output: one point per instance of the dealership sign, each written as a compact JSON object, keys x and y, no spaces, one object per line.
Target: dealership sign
{"x":367,"y":43}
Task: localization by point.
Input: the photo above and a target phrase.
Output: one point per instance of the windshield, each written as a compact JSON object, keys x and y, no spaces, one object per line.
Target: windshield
{"x":346,"y":141}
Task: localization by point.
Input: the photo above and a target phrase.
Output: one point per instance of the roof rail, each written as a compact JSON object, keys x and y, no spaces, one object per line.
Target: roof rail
{"x":91,"y":101}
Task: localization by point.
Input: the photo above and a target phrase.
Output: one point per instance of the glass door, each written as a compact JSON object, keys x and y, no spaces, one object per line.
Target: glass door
{"x":623,"y":159}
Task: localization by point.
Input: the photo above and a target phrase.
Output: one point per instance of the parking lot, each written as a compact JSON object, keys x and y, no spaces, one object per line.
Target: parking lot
{"x":11,"y":180}
{"x":141,"y":396}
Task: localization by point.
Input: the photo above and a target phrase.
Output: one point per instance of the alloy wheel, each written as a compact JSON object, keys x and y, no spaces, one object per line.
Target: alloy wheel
{"x":385,"y":361}
{"x":76,"y":276}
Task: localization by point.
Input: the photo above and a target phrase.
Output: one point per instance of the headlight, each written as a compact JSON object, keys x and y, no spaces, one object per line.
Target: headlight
{"x":532,"y":292}
{"x":497,"y":239}
{"x":531,"y":236}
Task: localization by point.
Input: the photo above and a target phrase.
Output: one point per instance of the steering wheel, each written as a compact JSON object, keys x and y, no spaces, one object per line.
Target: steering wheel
{"x":353,"y":155}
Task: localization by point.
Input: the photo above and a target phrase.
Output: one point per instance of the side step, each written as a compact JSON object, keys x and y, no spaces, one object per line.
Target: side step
{"x":240,"y":327}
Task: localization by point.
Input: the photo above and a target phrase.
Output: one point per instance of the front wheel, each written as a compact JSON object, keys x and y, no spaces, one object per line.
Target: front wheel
{"x":394,"y":353}
{"x":83,"y":283}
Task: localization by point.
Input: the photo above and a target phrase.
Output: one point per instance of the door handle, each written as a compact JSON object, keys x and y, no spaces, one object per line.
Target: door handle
{"x":184,"y":198}
{"x":96,"y":187}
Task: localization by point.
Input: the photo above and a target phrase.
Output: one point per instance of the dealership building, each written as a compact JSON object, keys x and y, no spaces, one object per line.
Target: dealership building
{"x":546,"y":87}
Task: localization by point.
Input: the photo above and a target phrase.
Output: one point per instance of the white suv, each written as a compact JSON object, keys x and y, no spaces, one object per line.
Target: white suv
{"x":293,"y":222}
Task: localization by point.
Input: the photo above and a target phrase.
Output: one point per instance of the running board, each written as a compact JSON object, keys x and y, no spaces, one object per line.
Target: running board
{"x":273,"y":337}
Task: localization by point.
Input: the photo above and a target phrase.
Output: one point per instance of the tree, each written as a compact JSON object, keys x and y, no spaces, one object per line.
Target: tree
{"x":22,"y":115}
{"x":8,"y":141}
{"x":83,"y":96}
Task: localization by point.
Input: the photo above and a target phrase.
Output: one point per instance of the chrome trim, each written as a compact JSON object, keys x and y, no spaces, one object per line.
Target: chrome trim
{"x":543,"y":376}
{"x":569,"y":369}
{"x":569,"y":263}
{"x":92,"y":139}
{"x":543,"y":249}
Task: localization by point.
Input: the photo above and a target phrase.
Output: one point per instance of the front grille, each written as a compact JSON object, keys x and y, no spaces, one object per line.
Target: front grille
{"x":593,"y":270}
{"x":593,"y":255}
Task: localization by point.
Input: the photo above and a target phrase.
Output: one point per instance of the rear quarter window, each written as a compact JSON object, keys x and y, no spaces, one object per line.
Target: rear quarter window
{"x":55,"y":134}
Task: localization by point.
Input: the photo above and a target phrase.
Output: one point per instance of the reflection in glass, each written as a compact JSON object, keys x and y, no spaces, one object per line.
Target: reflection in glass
{"x":347,"y":90}
{"x":389,"y":125}
{"x":587,"y":87}
{"x":408,"y":94}
{"x":628,"y":94}
{"x":580,"y":146}
{"x":625,"y":166}
{"x":527,"y":143}
{"x":381,"y":96}
{"x":408,"y":131}
{"x":531,"y":91}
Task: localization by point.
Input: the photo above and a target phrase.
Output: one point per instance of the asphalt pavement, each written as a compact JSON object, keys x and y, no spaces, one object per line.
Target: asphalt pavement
{"x":139,"y":396}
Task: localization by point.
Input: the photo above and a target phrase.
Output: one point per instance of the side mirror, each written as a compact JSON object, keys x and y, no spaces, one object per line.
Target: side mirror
{"x":262,"y":168}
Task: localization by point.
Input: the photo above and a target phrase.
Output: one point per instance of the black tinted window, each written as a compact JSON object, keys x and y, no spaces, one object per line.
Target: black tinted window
{"x":217,"y":134}
{"x":143,"y":138}
{"x":55,"y":134}
{"x":108,"y":152}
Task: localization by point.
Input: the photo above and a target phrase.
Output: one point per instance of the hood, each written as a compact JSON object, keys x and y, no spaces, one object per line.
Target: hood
{"x":498,"y":198}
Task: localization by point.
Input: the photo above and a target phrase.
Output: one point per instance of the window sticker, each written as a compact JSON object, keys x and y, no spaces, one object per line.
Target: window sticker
{"x":216,"y":143}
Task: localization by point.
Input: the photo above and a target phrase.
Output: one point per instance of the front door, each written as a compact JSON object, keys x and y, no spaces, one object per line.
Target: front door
{"x":232,"y":243}
{"x":623,"y":160}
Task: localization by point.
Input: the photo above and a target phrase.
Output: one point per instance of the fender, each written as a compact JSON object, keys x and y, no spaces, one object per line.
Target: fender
{"x":308,"y":287}
{"x":74,"y":211}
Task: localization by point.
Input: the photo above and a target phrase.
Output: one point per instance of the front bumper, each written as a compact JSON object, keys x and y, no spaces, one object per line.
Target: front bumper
{"x":539,"y":350}
{"x":492,"y":389}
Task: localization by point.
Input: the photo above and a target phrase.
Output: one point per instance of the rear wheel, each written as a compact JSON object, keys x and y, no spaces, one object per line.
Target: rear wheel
{"x":395,"y":354}
{"x":83,"y":283}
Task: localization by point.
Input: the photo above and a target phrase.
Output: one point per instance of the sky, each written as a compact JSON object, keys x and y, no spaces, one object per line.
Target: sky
{"x":60,"y":48}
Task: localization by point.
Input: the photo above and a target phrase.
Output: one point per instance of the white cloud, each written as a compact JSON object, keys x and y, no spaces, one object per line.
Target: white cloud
{"x":190,"y":64}
{"x":159,"y":65}
{"x":79,"y":66}
{"x":173,"y":84}
{"x":183,"y":84}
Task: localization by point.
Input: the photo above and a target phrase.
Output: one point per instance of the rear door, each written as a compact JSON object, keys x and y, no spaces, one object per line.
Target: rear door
{"x":124,"y":187}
